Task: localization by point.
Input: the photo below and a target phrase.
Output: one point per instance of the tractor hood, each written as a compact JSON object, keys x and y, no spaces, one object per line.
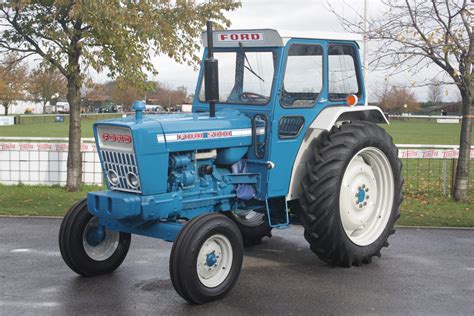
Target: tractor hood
{"x":195,"y":131}
{"x":182,"y":132}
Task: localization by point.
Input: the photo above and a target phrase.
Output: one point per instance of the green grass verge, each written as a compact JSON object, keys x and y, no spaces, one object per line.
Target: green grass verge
{"x":417,"y":210}
{"x":436,"y":210}
{"x":39,"y":200}
{"x":423,"y":132}
{"x":45,"y":130}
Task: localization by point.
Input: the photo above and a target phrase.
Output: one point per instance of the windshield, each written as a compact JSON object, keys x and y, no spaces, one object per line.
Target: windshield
{"x":245,"y":77}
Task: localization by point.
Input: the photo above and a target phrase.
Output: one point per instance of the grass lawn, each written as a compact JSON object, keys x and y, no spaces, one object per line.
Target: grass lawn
{"x":424,"y":132}
{"x":39,"y":200}
{"x":45,"y":130}
{"x":436,"y":210}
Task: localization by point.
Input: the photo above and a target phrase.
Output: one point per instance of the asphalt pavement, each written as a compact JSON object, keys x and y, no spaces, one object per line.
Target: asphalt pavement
{"x":424,"y":271}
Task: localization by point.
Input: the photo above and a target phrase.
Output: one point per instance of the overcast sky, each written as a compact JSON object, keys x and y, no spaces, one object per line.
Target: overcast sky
{"x":289,"y":17}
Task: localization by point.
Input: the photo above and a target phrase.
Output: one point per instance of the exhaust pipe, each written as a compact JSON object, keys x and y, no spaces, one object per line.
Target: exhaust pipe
{"x":211,"y":73}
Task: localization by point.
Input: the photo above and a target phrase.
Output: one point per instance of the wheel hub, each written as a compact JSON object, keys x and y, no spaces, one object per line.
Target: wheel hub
{"x":211,"y":259}
{"x":362,"y":196}
{"x":99,"y":243}
{"x":95,"y":235}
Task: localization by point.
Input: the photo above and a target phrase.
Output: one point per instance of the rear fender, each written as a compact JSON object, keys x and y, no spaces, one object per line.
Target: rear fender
{"x":324,"y":122}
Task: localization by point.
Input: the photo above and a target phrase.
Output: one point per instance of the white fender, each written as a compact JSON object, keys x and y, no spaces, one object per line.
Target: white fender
{"x":325,"y":121}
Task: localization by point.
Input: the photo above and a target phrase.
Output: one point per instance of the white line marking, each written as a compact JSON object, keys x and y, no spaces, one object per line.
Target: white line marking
{"x":21,"y":250}
{"x":30,"y":304}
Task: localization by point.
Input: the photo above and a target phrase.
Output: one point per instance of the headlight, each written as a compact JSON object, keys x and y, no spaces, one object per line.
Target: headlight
{"x":113,"y":177}
{"x":132,"y":180}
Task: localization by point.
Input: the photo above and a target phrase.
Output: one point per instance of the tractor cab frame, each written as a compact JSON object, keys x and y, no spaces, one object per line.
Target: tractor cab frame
{"x":292,"y":88}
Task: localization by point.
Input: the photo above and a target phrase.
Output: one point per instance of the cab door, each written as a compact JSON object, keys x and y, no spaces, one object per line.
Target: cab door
{"x":301,"y":95}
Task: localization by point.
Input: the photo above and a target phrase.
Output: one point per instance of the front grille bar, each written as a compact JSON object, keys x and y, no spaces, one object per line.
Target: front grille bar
{"x":122,"y":163}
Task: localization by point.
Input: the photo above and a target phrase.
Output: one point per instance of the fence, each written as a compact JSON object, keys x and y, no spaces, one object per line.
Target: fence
{"x":45,"y":163}
{"x":51,"y":118}
{"x":430,"y":168}
{"x":43,"y":160}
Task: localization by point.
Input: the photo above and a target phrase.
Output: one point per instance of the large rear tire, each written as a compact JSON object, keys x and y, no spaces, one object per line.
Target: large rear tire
{"x":86,"y":247}
{"x":351,"y":193}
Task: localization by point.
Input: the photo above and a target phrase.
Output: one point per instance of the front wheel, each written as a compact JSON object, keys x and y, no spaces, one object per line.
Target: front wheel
{"x":252,"y":225}
{"x":87,"y":247}
{"x":206,"y":258}
{"x":351,"y":193}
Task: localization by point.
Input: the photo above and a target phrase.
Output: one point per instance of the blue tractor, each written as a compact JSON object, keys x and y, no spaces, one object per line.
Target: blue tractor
{"x":278,"y":126}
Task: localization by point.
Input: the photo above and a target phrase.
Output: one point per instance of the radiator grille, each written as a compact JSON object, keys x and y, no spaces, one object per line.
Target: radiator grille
{"x":122,"y":163}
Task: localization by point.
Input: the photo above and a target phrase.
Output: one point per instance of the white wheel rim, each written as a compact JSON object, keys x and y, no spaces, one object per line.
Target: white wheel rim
{"x":366,"y":196}
{"x":214,"y":261}
{"x":106,"y":248}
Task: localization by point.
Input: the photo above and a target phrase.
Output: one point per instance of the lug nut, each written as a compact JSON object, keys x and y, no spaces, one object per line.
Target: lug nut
{"x":366,"y":189}
{"x":367,"y":197}
{"x":363,"y":186}
{"x":365,"y":203}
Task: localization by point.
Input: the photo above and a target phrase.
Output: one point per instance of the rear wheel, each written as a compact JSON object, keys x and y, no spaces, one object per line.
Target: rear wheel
{"x":206,"y":258}
{"x":87,"y":247}
{"x":352,"y":193}
{"x":252,"y":225}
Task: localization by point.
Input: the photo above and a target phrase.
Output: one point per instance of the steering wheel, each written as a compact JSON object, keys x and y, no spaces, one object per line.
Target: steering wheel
{"x":252,"y":96}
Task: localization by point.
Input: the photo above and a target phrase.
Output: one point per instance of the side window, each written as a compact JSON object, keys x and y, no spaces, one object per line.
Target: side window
{"x":303,"y":76}
{"x":342,"y":72}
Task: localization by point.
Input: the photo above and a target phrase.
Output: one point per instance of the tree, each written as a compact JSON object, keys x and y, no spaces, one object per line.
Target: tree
{"x":414,"y":34}
{"x":12,"y":81}
{"x":167,"y":96}
{"x":114,"y":35}
{"x":46,"y":84}
{"x":435,"y":92}
{"x":125,"y":92}
{"x":397,"y":99}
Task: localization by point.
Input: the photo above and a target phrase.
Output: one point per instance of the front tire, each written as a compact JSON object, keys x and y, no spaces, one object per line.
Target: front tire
{"x":86,"y":247}
{"x":351,"y":194}
{"x":206,"y":258}
{"x":252,"y":225}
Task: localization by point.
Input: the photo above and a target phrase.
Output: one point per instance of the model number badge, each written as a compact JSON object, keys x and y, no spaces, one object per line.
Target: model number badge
{"x":117,"y":138}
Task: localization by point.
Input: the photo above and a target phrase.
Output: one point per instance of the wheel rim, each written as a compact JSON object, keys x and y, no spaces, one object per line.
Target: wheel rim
{"x":99,"y":243}
{"x":366,"y":196}
{"x":214,"y":261}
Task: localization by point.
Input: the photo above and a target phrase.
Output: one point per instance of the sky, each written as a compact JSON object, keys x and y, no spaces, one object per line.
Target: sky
{"x":297,"y":18}
{"x":300,"y":18}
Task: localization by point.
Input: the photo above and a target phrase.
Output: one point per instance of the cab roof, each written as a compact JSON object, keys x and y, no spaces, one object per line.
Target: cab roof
{"x":270,"y":37}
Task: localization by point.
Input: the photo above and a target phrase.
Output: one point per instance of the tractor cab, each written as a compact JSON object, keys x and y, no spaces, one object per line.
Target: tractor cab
{"x":282,"y":84}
